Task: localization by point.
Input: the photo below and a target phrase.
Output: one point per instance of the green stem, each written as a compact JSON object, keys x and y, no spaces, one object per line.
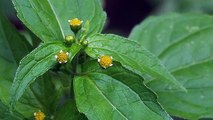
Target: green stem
{"x":74,"y":72}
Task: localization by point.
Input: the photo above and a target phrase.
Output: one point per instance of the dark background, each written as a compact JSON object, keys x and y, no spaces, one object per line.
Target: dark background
{"x":123,"y":15}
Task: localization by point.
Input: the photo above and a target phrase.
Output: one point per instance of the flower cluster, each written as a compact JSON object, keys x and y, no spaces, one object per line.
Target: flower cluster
{"x":62,"y":57}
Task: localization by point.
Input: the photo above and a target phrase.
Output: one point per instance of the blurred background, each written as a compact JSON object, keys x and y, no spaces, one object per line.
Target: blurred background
{"x":123,"y":15}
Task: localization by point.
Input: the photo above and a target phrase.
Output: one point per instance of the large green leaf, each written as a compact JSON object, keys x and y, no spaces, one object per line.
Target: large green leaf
{"x":184,"y":44}
{"x":13,"y":45}
{"x":90,"y":10}
{"x":13,"y":48}
{"x":8,"y":68}
{"x":40,"y":18}
{"x":100,"y":97}
{"x":134,"y":81}
{"x":35,"y":64}
{"x":49,"y":19}
{"x":131,"y":55}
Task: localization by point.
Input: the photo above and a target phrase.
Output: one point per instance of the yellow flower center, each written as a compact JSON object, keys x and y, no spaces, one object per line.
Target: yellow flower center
{"x":105,"y":61}
{"x":75,"y":22}
{"x":39,"y":115}
{"x":62,"y":57}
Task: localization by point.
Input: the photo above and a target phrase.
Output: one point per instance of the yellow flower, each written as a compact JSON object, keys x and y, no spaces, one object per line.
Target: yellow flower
{"x":39,"y":115}
{"x":75,"y":22}
{"x":75,"y":25}
{"x":62,"y":57}
{"x":105,"y":61}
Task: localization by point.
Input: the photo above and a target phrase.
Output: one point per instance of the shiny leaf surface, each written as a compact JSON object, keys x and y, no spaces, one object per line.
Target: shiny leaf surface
{"x":85,"y":10}
{"x":99,"y":97}
{"x":131,"y":55}
{"x":184,"y":44}
{"x":132,"y":80}
{"x":35,"y":64}
{"x":49,"y":19}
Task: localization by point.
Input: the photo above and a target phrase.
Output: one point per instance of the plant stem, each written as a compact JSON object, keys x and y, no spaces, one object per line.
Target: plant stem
{"x":74,"y":72}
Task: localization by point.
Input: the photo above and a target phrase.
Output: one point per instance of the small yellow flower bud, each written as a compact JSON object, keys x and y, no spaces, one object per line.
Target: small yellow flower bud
{"x":39,"y":115}
{"x":69,"y":39}
{"x":62,"y":57}
{"x":84,"y":42}
{"x":105,"y":61}
{"x":75,"y":24}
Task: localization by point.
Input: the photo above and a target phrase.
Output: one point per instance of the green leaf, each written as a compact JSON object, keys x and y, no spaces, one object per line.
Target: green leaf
{"x":13,"y":45}
{"x":6,"y":115}
{"x":35,"y":64}
{"x":40,"y":18}
{"x":186,"y":49}
{"x":100,"y":97}
{"x":86,"y":10}
{"x":32,"y":66}
{"x":133,"y":81}
{"x":49,"y":19}
{"x":37,"y":96}
{"x":102,"y":2}
{"x":8,"y":68}
{"x":69,"y":112}
{"x":131,"y":55}
{"x":13,"y":48}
